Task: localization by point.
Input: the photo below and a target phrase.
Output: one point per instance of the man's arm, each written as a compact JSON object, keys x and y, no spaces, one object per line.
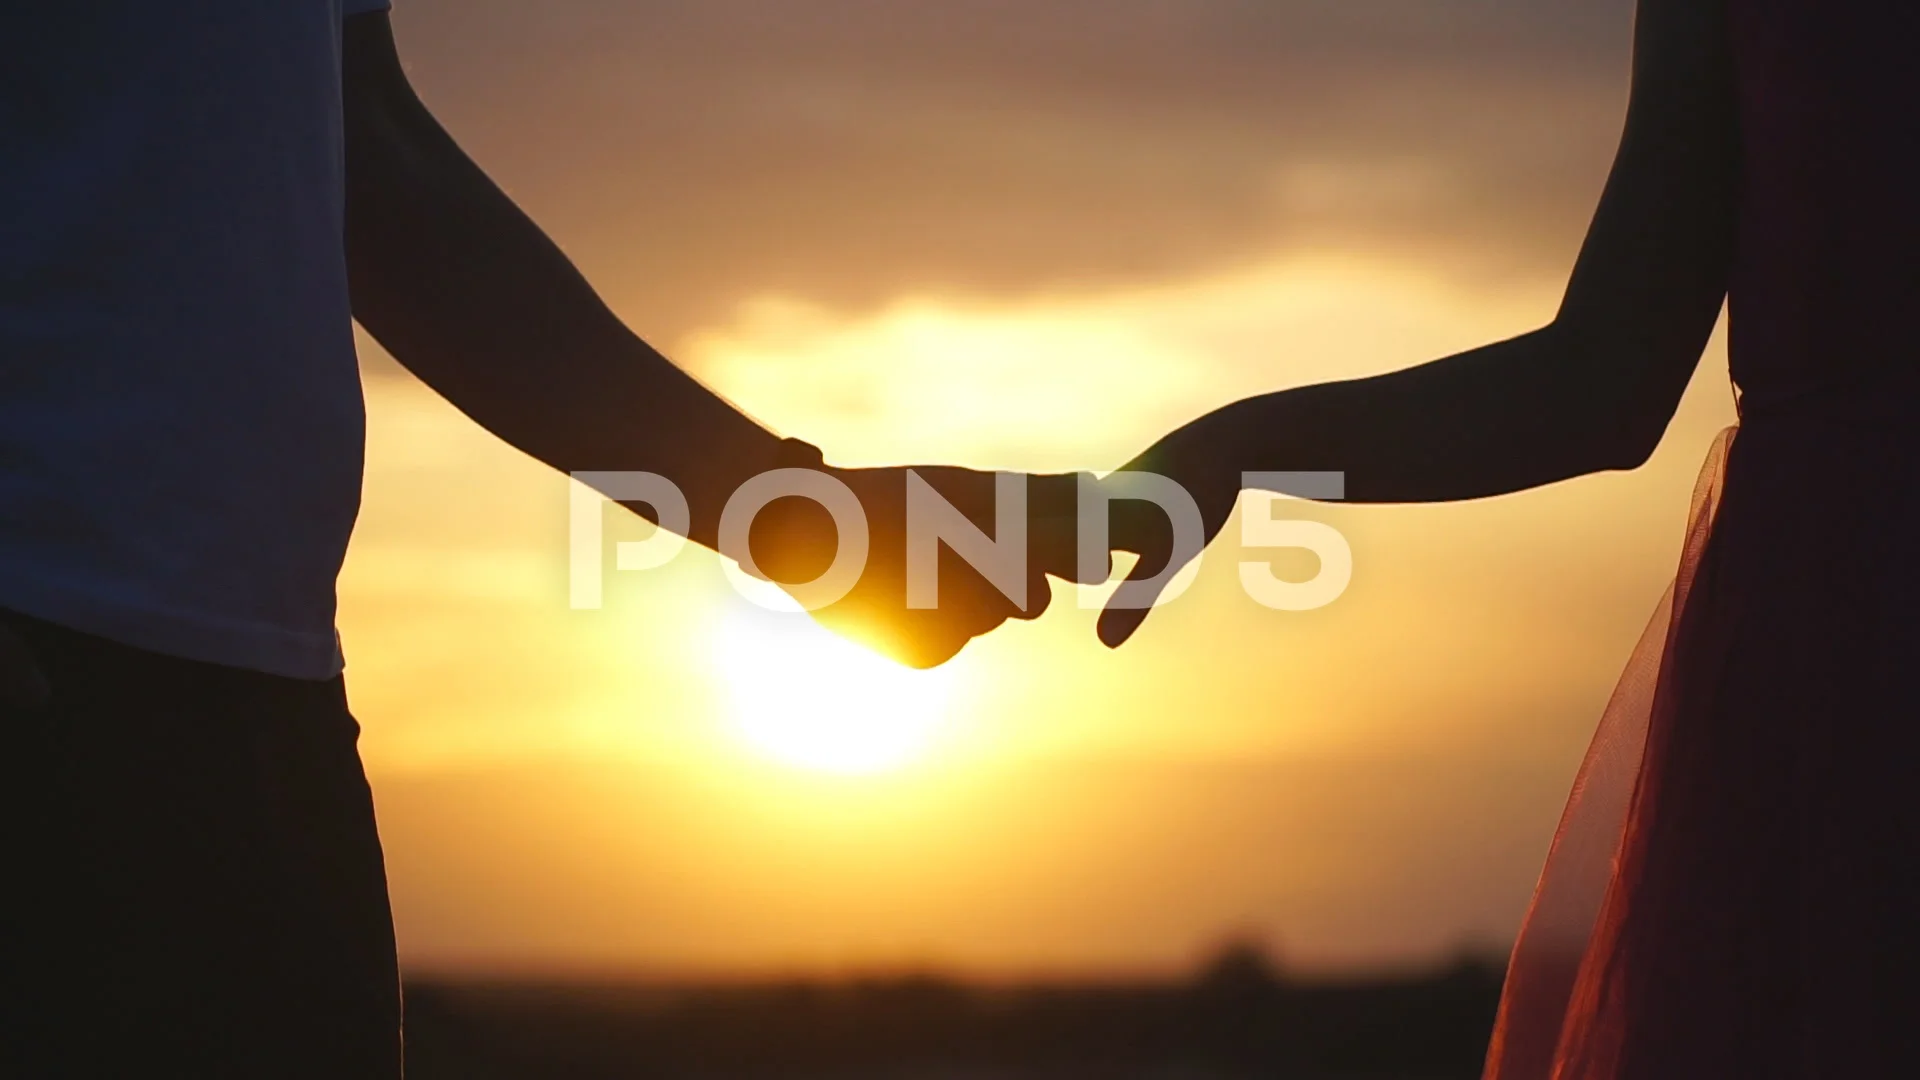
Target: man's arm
{"x":469,"y":295}
{"x":473,"y":298}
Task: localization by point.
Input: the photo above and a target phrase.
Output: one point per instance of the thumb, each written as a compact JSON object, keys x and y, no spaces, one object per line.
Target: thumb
{"x":1168,"y":530}
{"x":1134,"y":600}
{"x":1053,"y":537}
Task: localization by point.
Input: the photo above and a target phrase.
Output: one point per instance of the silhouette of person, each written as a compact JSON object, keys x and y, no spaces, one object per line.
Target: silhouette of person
{"x":1735,"y":888}
{"x":196,"y":200}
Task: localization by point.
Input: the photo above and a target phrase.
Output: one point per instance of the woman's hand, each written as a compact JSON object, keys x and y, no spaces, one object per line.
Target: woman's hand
{"x":1200,"y":459}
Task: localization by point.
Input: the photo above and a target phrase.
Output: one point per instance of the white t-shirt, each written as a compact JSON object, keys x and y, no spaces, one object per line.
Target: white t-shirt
{"x":181,"y":424}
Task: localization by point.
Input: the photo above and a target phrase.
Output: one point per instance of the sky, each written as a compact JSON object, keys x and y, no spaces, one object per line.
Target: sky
{"x":1025,"y":235}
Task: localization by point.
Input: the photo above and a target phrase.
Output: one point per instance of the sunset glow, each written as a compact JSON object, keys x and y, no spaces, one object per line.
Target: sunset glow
{"x":954,"y":235}
{"x":802,"y":696}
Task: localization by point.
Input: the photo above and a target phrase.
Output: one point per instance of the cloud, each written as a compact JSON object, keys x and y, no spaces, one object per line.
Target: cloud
{"x":694,"y":154}
{"x":1063,"y":383}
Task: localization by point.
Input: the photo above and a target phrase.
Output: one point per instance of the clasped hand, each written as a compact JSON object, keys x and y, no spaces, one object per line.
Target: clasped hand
{"x":795,"y":541}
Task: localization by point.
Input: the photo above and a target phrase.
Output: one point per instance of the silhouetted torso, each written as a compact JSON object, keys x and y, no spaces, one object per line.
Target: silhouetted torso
{"x":1827,"y":278}
{"x":1759,"y":915}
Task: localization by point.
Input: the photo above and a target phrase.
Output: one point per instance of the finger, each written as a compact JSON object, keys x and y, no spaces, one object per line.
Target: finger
{"x":927,"y":653}
{"x":939,"y":636}
{"x":1118,"y":624}
{"x":1134,"y":600}
{"x":969,"y":600}
{"x":1053,"y":531}
{"x":1039,"y":597}
{"x":919,"y":643}
{"x":1053,"y":547}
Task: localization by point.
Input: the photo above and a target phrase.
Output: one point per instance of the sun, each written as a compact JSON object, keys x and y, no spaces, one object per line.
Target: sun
{"x":801,"y":695}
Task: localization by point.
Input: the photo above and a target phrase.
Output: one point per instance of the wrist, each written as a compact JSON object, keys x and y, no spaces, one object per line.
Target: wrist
{"x":727,"y":473}
{"x":782,"y":529}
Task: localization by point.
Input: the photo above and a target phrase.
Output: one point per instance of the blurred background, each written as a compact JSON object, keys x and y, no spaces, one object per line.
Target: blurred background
{"x":683,"y":836}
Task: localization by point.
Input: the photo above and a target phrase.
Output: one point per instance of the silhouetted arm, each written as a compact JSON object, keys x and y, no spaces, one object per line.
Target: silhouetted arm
{"x":471,"y":296}
{"x":1595,"y":389}
{"x":1592,"y":391}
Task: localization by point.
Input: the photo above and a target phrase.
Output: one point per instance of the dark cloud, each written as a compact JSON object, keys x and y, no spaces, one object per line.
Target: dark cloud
{"x":690,"y":153}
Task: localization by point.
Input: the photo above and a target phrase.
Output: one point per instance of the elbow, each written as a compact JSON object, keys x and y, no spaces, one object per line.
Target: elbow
{"x":1631,"y":449}
{"x":1626,"y":428}
{"x":1621,"y":409}
{"x":1622,"y":430}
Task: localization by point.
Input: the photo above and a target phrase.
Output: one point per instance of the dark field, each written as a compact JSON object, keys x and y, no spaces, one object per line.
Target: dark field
{"x":1236,"y":1019}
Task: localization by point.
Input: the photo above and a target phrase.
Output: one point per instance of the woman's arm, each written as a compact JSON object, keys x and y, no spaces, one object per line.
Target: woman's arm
{"x":1592,"y":391}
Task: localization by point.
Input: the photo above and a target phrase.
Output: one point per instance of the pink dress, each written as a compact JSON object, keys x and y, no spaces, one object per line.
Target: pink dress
{"x":1734,"y":892}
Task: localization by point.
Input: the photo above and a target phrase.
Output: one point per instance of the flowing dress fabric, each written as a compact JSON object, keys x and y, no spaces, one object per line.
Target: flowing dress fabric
{"x":1734,"y":890}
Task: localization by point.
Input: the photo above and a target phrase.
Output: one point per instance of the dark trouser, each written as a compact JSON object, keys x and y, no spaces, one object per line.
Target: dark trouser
{"x":193,"y":884}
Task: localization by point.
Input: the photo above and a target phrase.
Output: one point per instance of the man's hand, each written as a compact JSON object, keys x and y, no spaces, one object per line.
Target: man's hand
{"x":794,"y":541}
